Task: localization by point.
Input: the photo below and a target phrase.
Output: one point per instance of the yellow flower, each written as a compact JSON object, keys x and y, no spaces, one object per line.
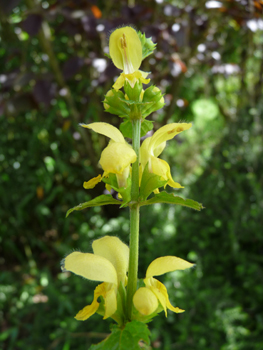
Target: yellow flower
{"x":108,"y":264}
{"x":115,"y":158}
{"x":126,"y":53}
{"x":146,"y":299}
{"x":153,"y":146}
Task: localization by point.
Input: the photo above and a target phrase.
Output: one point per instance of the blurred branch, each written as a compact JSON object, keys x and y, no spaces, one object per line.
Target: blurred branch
{"x":44,"y":36}
{"x":259,"y":84}
{"x":223,"y":112}
{"x":245,"y":55}
{"x":7,"y":34}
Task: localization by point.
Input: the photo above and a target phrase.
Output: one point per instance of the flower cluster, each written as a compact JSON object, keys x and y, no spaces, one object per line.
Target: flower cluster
{"x":125,"y":167}
{"x":118,"y":156}
{"x":109,"y":264}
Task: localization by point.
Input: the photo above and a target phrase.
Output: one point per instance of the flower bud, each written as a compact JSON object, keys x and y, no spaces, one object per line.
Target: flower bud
{"x":108,"y":94}
{"x":153,"y":96}
{"x":114,"y":103}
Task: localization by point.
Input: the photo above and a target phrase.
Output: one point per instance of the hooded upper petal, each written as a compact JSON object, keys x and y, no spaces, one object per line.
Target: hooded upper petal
{"x":106,"y":130}
{"x":126,"y":49}
{"x":115,"y":251}
{"x":167,"y":132}
{"x":90,"y":266}
{"x":166,"y":264}
{"x":116,"y":157}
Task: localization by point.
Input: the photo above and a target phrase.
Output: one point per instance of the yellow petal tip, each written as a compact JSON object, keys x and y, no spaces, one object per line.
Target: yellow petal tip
{"x":92,"y":183}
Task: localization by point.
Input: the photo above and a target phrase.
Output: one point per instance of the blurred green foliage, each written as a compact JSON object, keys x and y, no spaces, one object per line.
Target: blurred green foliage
{"x":53,"y":75}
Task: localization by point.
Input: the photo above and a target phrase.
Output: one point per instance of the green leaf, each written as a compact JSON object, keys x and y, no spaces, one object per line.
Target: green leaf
{"x":133,"y":93}
{"x":155,"y":96}
{"x":104,"y":199}
{"x":125,"y":192}
{"x":149,"y":183}
{"x":171,"y":198}
{"x":115,"y":103}
{"x":147,"y":125}
{"x":107,"y":55}
{"x":125,"y":339}
{"x":147,"y":45}
{"x":126,"y":128}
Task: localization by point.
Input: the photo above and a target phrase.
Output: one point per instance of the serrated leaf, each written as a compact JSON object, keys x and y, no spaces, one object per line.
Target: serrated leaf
{"x":125,"y":339}
{"x":104,"y":199}
{"x":149,"y":183}
{"x":126,"y":128}
{"x":147,"y":45}
{"x":134,"y":102}
{"x":115,"y":103}
{"x":133,"y":93}
{"x":171,"y":198}
{"x":147,"y":125}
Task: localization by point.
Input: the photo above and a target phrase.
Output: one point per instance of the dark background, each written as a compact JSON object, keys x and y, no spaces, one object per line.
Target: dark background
{"x":53,"y":75}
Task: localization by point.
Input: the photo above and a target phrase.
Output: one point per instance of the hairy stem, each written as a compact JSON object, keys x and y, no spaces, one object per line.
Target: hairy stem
{"x":134,"y":220}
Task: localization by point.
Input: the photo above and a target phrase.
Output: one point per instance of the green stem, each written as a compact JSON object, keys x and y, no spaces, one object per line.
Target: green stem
{"x":134,"y":218}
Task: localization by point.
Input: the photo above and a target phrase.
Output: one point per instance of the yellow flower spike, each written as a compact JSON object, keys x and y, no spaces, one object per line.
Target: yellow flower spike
{"x":126,"y":53}
{"x":153,"y":146}
{"x":158,"y":267}
{"x":109,"y":264}
{"x":145,"y":301}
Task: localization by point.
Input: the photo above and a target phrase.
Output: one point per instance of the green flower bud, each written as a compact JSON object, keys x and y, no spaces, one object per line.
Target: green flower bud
{"x":153,"y":99}
{"x":114,"y":103}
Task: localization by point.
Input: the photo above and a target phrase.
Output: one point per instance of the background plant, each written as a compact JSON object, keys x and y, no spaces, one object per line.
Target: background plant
{"x":42,"y":167}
